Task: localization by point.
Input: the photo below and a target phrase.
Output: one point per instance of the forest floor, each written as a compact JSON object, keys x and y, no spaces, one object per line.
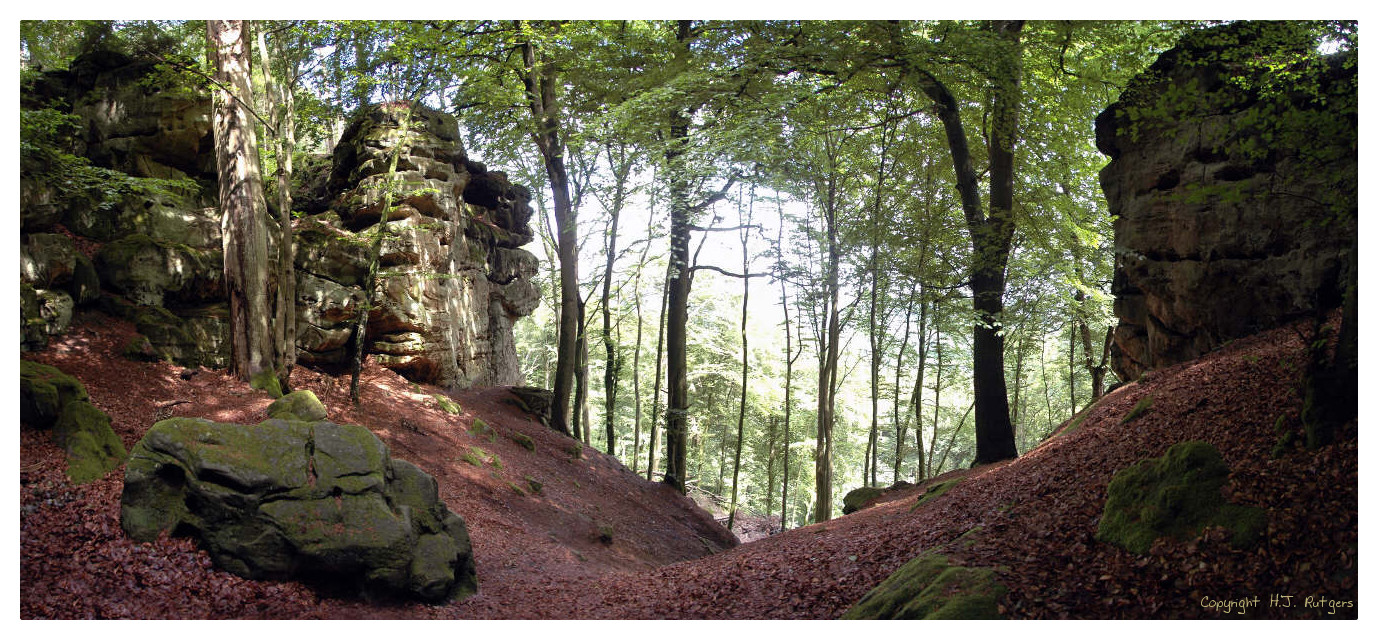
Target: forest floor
{"x":597,"y":541}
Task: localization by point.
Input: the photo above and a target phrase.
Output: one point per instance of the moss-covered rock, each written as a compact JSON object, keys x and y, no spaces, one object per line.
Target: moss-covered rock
{"x":149,"y":271}
{"x":290,"y":498}
{"x":301,"y":404}
{"x":935,"y":490}
{"x":447,"y":405}
{"x":1176,"y":495}
{"x":44,"y":391}
{"x":93,"y":449}
{"x":200,"y":337}
{"x":929,"y":588}
{"x":857,"y":498}
{"x":524,"y":440}
{"x":267,"y":380}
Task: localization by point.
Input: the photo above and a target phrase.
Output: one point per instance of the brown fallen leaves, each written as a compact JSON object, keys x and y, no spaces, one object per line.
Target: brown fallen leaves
{"x":539,"y":556}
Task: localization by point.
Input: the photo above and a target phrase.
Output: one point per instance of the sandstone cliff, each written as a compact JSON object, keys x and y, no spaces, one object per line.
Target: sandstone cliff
{"x":452,"y":280}
{"x":1235,"y":191}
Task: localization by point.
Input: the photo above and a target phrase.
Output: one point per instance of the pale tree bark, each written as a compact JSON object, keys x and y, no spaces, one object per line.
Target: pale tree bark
{"x":830,"y":349}
{"x":243,"y":208}
{"x":282,"y":118}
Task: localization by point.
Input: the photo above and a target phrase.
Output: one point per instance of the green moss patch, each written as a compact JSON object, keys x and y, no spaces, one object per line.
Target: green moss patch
{"x":857,"y":498}
{"x":1140,"y":408}
{"x":93,"y":449}
{"x":301,"y":404}
{"x":267,"y":380}
{"x":1176,"y":496}
{"x":480,"y":429}
{"x":43,"y":392}
{"x":524,"y":440}
{"x":447,"y":405}
{"x":936,"y":490}
{"x":929,"y":588}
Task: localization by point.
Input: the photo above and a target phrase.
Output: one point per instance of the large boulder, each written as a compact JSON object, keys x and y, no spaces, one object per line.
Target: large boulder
{"x":1235,"y":198}
{"x":290,"y":498}
{"x":150,"y":271}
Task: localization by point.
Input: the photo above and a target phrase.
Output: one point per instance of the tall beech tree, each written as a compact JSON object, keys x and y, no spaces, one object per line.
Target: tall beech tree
{"x":244,"y":211}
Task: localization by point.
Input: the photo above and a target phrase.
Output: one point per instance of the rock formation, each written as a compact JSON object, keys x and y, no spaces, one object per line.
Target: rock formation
{"x":297,"y":496}
{"x":1235,"y":198}
{"x":452,"y":279}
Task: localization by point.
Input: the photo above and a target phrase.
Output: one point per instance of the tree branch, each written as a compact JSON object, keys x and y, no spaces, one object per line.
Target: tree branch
{"x":727,"y":273}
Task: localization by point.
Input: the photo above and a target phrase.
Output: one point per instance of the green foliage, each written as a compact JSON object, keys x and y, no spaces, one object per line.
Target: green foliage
{"x":1176,"y":495}
{"x":533,"y":484}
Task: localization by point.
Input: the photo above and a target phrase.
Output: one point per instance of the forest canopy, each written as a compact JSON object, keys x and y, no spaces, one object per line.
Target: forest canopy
{"x":913,"y":205}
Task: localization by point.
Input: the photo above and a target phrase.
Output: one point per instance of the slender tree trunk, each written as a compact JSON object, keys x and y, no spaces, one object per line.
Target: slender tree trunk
{"x":283,"y":120}
{"x":582,"y":429}
{"x":677,"y":276}
{"x":610,"y":365}
{"x":1072,"y":364}
{"x":655,"y":390}
{"x":741,"y":406}
{"x":242,"y":205}
{"x":991,"y":236}
{"x":827,"y":371}
{"x":902,"y":427}
{"x":937,"y":395}
{"x":539,"y":79}
{"x":917,"y":399}
{"x":636,"y":371}
{"x":789,"y":384}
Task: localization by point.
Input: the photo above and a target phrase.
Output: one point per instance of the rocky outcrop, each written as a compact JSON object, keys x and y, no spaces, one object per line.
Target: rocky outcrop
{"x":452,"y":279}
{"x":297,"y":496}
{"x":51,"y":399}
{"x":1235,"y":196}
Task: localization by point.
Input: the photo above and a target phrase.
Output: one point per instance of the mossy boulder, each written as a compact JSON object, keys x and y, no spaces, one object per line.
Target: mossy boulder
{"x":50,"y":398}
{"x":289,"y":498}
{"x":1176,"y":496}
{"x":929,"y":588}
{"x":856,"y":499}
{"x":93,"y":449}
{"x":44,"y":391}
{"x":301,"y":404}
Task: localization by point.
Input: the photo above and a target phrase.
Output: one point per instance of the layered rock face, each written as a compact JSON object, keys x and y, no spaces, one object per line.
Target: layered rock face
{"x":1236,"y":195}
{"x":451,"y":279}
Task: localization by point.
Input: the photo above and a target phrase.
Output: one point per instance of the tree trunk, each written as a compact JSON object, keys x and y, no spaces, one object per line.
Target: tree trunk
{"x":741,"y":406}
{"x":283,"y":120}
{"x":677,"y":275}
{"x":789,"y":382}
{"x":610,"y":366}
{"x":242,"y":204}
{"x":902,"y":427}
{"x":991,"y":237}
{"x":540,"y":82}
{"x":655,"y":389}
{"x":827,"y":370}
